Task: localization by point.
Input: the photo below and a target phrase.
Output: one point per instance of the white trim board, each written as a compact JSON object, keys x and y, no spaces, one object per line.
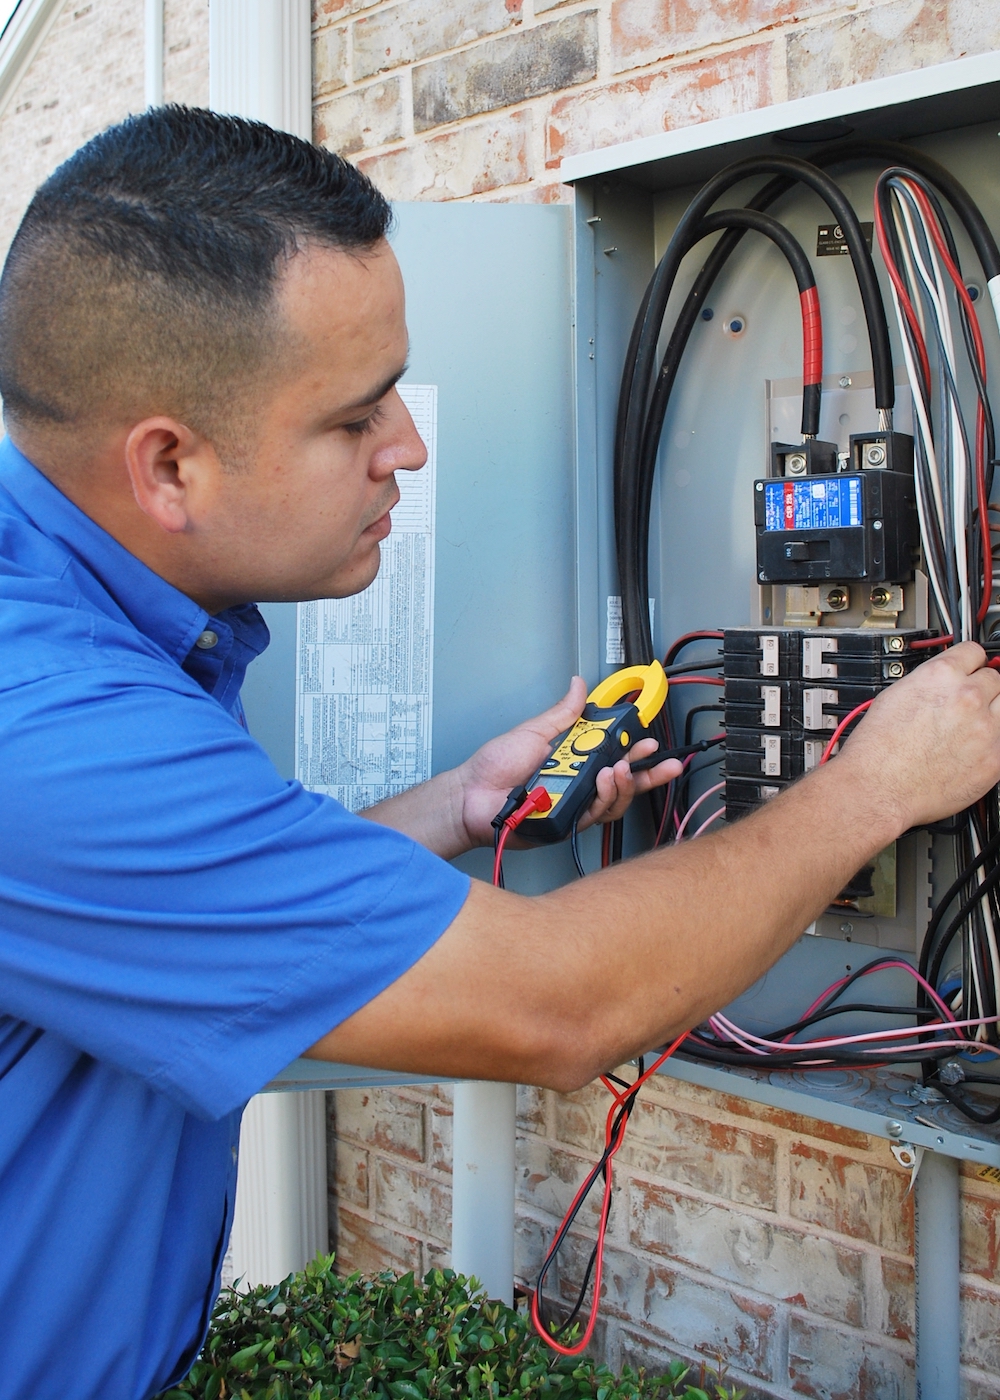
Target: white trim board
{"x":21,"y":39}
{"x":942,"y":78}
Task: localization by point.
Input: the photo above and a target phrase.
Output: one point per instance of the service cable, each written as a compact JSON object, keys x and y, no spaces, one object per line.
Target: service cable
{"x":642,"y":407}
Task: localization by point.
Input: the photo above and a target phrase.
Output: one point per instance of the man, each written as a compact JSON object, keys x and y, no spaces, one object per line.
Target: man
{"x":201,"y":328}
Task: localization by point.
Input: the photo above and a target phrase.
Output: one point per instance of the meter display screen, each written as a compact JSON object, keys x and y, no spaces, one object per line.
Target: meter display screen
{"x":815,"y":503}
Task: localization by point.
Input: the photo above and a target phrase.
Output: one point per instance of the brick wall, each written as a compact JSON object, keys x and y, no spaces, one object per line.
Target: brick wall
{"x":453,"y":99}
{"x":780,"y":1244}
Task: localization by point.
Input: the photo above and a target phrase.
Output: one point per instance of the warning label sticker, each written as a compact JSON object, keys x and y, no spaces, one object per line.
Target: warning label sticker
{"x":823,"y":503}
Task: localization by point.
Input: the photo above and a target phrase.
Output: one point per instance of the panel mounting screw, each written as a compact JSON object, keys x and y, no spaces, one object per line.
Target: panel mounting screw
{"x":894,"y":1128}
{"x":845,"y":381}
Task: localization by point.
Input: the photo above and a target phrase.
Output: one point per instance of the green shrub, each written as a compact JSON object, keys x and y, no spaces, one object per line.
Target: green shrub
{"x":320,"y":1337}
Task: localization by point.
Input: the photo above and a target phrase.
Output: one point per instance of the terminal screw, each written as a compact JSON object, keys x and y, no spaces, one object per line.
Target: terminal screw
{"x":895,"y":669}
{"x":845,"y":381}
{"x":895,"y":644}
{"x":880,"y":597}
{"x":795,"y":464}
{"x":874,"y":454}
{"x":837,"y":599}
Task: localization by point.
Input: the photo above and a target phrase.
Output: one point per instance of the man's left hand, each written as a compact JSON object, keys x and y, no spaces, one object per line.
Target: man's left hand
{"x":511,"y":759}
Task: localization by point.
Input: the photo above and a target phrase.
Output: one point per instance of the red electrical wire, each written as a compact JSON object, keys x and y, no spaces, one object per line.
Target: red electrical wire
{"x":925,"y":643}
{"x":858,"y":710}
{"x":682,"y":642}
{"x":538,"y":800}
{"x":696,"y":680}
{"x":904,"y":297}
{"x":612,"y":1142}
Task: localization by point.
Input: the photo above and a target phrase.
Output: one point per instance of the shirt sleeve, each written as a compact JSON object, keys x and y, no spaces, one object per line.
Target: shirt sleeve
{"x":170,"y":905}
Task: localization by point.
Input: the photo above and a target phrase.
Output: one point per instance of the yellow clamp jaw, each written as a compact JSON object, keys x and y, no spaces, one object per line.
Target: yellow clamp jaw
{"x":650,"y":681}
{"x":609,"y":726}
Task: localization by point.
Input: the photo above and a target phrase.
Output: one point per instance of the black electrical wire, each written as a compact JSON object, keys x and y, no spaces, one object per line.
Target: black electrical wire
{"x":690,"y":716}
{"x":642,"y":407}
{"x":805,"y":281}
{"x":958,"y":1100}
{"x":987,"y":854}
{"x":574,"y":845}
{"x":598,"y":1171}
{"x":689,"y":666}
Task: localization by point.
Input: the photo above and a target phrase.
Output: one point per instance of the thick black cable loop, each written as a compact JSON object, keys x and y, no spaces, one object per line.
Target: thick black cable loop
{"x":637,"y":381}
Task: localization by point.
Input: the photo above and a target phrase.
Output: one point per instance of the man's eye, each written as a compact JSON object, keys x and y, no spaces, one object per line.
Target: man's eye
{"x":366,"y":425}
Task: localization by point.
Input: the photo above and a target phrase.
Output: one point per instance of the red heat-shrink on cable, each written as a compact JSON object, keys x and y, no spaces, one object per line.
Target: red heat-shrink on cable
{"x":812,"y":337}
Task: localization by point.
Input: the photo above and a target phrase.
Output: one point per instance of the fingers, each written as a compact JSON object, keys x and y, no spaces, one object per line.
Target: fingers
{"x":618,"y":786}
{"x":965,"y":656}
{"x":562,"y":714}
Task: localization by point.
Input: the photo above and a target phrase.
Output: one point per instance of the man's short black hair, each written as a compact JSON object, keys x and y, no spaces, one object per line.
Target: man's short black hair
{"x":142,"y":278}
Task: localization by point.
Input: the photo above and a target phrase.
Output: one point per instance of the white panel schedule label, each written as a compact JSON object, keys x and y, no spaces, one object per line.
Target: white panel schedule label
{"x":364,"y":664}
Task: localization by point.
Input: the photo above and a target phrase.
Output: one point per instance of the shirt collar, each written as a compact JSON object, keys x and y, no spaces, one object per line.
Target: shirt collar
{"x":152,"y":605}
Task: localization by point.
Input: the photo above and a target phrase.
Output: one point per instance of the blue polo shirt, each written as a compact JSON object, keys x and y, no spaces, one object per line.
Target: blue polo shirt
{"x":177,"y":923}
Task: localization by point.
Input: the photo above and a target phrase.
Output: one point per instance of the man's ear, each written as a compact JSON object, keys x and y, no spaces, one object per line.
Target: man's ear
{"x":168,"y":466}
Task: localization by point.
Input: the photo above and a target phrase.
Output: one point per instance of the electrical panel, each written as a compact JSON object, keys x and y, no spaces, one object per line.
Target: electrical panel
{"x":794,"y":536}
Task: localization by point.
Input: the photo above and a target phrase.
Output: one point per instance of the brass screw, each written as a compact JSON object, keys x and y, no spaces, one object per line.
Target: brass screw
{"x":895,"y":669}
{"x":895,"y":644}
{"x":836,"y":599}
{"x":880,"y":597}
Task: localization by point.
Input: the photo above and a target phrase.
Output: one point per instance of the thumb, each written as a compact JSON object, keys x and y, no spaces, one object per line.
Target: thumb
{"x":563,"y":714}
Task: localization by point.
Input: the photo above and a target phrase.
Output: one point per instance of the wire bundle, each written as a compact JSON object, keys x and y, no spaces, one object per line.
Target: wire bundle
{"x":623,"y":1103}
{"x":953,"y":465}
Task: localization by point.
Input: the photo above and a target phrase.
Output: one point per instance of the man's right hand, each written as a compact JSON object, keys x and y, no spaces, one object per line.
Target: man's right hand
{"x":932,"y":740}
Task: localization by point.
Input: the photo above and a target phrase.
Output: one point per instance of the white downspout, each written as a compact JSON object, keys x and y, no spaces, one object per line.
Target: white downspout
{"x":259,"y":65}
{"x":154,"y":53}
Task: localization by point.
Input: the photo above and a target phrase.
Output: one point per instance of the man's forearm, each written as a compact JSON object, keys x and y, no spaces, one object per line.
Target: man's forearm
{"x":430,"y":814}
{"x":553,"y":989}
{"x":550,"y":990}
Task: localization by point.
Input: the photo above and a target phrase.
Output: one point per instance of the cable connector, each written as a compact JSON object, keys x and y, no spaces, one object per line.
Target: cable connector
{"x":515,"y":798}
{"x":537,"y":800}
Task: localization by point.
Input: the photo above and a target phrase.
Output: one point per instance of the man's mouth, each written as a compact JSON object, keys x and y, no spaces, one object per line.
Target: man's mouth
{"x":382,"y":526}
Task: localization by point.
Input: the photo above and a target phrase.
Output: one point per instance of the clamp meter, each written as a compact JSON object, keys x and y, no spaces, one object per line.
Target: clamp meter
{"x":604,"y":733}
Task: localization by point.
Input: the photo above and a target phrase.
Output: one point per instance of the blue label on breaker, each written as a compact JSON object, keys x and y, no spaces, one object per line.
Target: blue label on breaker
{"x":817,"y":503}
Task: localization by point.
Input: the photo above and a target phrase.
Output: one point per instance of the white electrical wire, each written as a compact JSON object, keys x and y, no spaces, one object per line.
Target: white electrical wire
{"x":923,"y":427}
{"x":934,"y":290}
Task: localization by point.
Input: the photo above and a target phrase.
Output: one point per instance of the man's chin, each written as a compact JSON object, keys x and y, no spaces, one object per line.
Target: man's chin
{"x":348,"y":582}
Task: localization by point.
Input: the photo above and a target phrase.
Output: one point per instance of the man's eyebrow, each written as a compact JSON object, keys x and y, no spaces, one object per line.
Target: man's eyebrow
{"x":379,"y":392}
